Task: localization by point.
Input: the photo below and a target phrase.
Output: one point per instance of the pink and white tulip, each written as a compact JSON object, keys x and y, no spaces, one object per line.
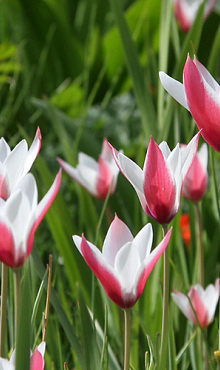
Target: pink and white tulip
{"x":125,"y":262}
{"x":200,"y":94}
{"x":159,"y":183}
{"x":20,"y":215}
{"x":204,"y":302}
{"x":15,"y":164}
{"x":36,"y":363}
{"x":96,"y":177}
{"x":196,"y":181}
{"x":186,"y":10}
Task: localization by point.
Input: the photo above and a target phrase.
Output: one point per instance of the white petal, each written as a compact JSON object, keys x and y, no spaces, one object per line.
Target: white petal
{"x":4,"y":150}
{"x":183,"y":303}
{"x":174,"y":88}
{"x":15,"y":163}
{"x":117,"y":236}
{"x":143,"y":241}
{"x":203,"y":156}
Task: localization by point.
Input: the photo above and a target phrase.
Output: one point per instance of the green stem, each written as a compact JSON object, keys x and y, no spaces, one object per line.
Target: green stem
{"x":4,"y":296}
{"x":127,"y":314}
{"x":200,"y":244}
{"x":17,"y":281}
{"x":165,"y":323}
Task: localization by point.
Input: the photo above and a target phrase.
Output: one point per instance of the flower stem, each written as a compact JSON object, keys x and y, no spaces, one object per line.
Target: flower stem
{"x":200,"y":244}
{"x":17,"y":280}
{"x":4,"y":296}
{"x":127,"y":314}
{"x":46,"y":316}
{"x":165,"y":323}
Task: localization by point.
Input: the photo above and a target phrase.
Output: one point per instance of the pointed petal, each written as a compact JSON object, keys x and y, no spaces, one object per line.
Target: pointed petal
{"x":203,"y":156}
{"x":159,"y":185}
{"x":203,"y":102}
{"x":104,"y":179}
{"x":143,"y":241}
{"x":132,"y":172}
{"x":4,"y":150}
{"x":15,"y":163}
{"x":174,"y":88}
{"x":199,"y":307}
{"x":118,"y":235}
{"x":33,"y":151}
{"x":188,"y":153}
{"x":183,"y":303}
{"x":149,"y":263}
{"x":211,"y":297}
{"x":42,"y":209}
{"x":101,"y":269}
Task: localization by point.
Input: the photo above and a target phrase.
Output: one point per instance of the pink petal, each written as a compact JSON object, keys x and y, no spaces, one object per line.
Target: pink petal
{"x":105,"y":275}
{"x":159,"y":186}
{"x":150,"y":262}
{"x":199,"y":307}
{"x":7,"y":245}
{"x":196,"y":181}
{"x":42,"y":209}
{"x":4,"y":185}
{"x":204,"y":106}
{"x":37,"y":361}
{"x":104,"y":179}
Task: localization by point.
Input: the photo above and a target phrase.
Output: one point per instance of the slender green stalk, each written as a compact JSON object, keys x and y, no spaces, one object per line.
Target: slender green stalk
{"x":200,"y":244}
{"x":17,"y":281}
{"x":127,"y":314}
{"x":4,"y":296}
{"x":165,"y":322}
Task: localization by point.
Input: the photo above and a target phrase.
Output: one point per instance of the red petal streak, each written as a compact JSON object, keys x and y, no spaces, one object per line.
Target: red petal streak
{"x":109,"y":282}
{"x":104,"y":179}
{"x":199,"y":307}
{"x":204,"y":109}
{"x":159,"y":188}
{"x":154,"y":257}
{"x":7,"y":246}
{"x":4,"y":193}
{"x":37,"y":361}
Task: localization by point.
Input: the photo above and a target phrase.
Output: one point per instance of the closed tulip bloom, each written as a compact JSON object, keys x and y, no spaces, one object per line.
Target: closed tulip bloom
{"x":20,"y":215}
{"x":204,"y":302}
{"x":186,"y":10}
{"x":195,"y":183}
{"x":36,"y":363}
{"x":200,"y":94}
{"x":15,"y":164}
{"x":125,"y":262}
{"x":96,"y":177}
{"x":159,"y":183}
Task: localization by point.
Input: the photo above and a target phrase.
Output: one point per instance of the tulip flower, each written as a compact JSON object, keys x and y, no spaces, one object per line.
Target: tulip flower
{"x":195,"y":183}
{"x":20,"y":215}
{"x":37,"y":359}
{"x":125,"y":262}
{"x":97,"y":178}
{"x":204,"y":302}
{"x":186,"y":10}
{"x":15,"y":164}
{"x":159,"y":184}
{"x":200,"y":94}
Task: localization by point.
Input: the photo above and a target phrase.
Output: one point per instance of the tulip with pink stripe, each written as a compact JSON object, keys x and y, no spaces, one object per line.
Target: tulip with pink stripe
{"x":96,"y":177}
{"x":159,"y":184}
{"x":36,"y":363}
{"x":200,"y":94}
{"x":196,"y":181}
{"x":20,"y":215}
{"x":186,"y":10}
{"x":125,"y":262}
{"x":204,"y":302}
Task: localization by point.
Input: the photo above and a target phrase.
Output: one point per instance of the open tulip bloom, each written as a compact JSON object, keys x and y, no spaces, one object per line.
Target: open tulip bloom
{"x":96,"y":177}
{"x":195,"y":183}
{"x":186,"y":10}
{"x":204,"y":302}
{"x":159,"y":184}
{"x":200,"y":94}
{"x":125,"y":262}
{"x":36,"y":363}
{"x":20,"y":215}
{"x":15,"y":164}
